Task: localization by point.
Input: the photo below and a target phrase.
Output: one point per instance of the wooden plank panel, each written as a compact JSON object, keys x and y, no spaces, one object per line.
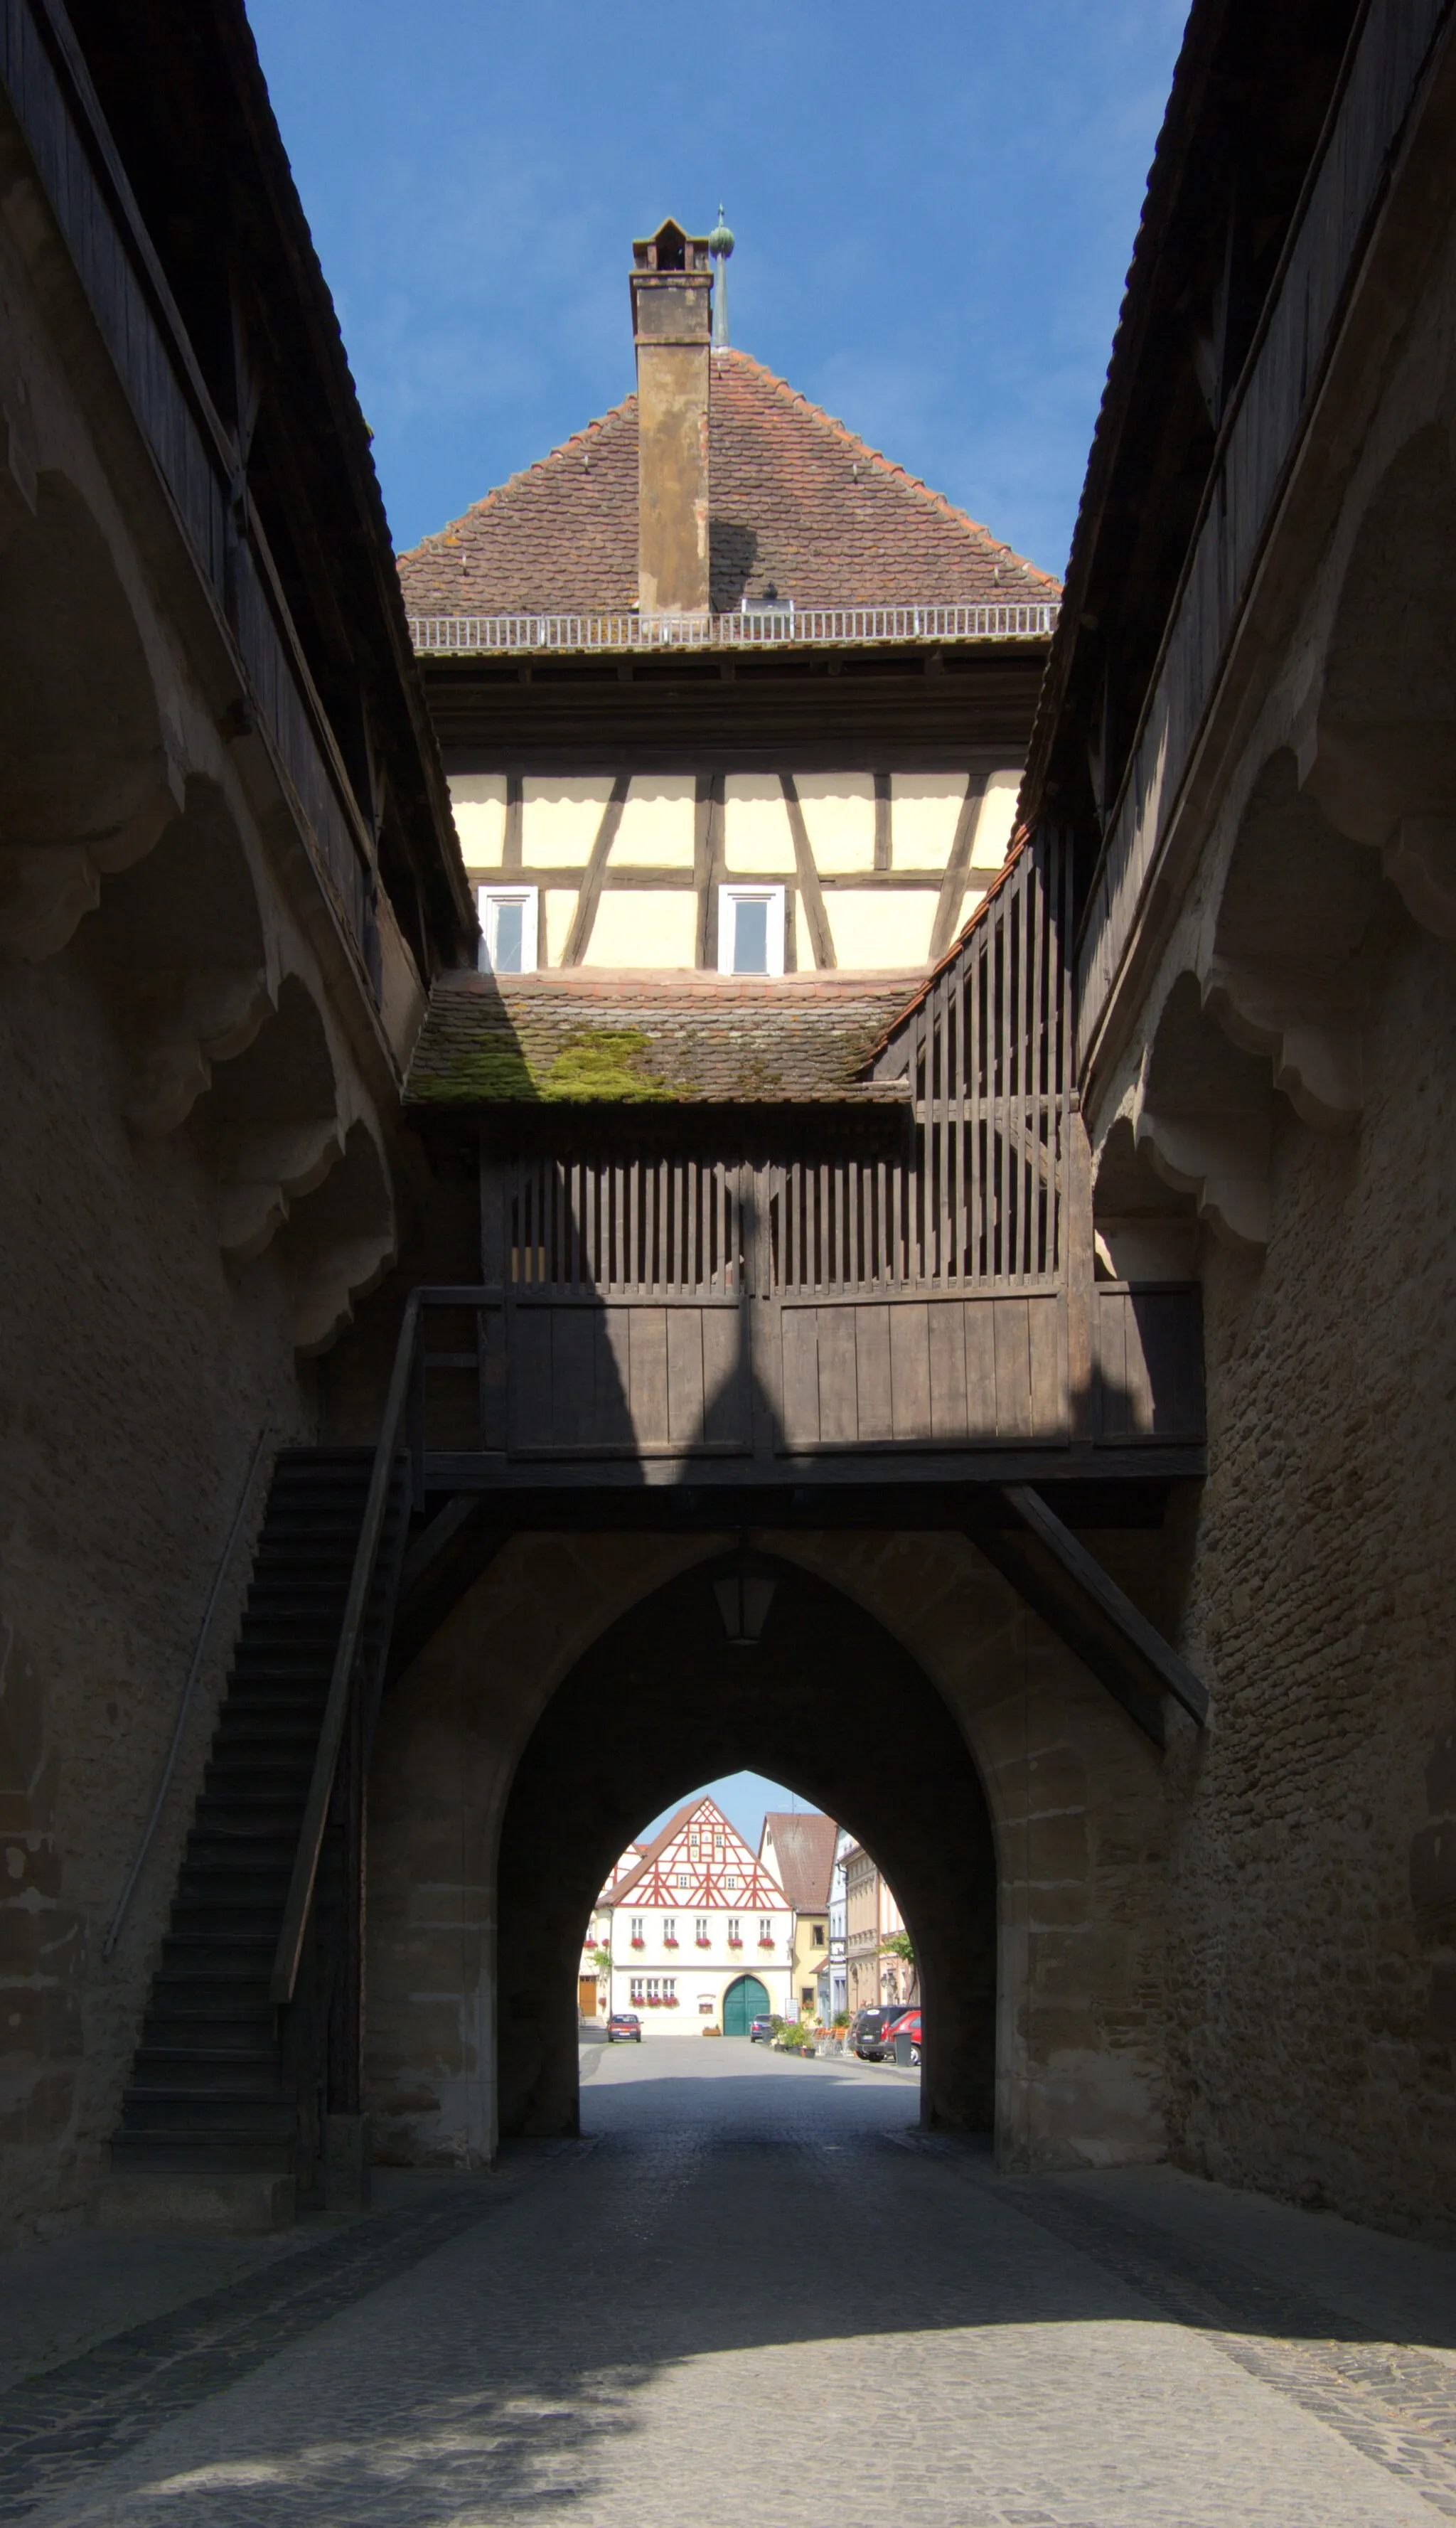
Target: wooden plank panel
{"x":839,"y":1388}
{"x":724,"y":1336}
{"x":612,"y":1422}
{"x":685,"y":1388}
{"x":573,"y":1376}
{"x":979,"y":1320}
{"x":910,"y":1371}
{"x":947,"y":1339}
{"x":648,"y":1393}
{"x":1111,"y":1341}
{"x":872,"y":1374}
{"x":529,"y":1337}
{"x":1048,"y":1410}
{"x":800,"y":1357}
{"x":1013,"y":1369}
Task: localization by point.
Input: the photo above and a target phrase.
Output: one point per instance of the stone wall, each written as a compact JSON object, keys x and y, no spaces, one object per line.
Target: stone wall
{"x":137,"y":1370}
{"x":1313,"y":1922}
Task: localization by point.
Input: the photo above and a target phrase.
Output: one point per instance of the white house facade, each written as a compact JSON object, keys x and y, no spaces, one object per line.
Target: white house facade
{"x":699,"y":1930}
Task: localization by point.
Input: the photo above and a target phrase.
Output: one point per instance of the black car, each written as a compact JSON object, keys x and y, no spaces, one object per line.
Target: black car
{"x":871,"y":2038}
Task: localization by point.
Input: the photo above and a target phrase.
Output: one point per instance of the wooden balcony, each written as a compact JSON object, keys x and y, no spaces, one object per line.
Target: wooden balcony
{"x":889,"y":1281}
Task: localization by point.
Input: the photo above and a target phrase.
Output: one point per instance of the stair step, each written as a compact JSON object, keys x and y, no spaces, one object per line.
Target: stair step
{"x":220,"y":2071}
{"x":142,"y":2153}
{"x":229,"y":2115}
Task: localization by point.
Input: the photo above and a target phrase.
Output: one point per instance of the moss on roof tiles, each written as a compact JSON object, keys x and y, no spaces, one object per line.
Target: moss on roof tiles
{"x":492,"y":1041}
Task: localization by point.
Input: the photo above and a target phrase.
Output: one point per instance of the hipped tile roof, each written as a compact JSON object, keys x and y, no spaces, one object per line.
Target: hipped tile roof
{"x":492,"y":1039}
{"x":798,"y":504}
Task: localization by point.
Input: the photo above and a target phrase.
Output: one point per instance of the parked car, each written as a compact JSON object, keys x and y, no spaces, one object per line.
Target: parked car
{"x":907,"y":2025}
{"x":867,"y":2037}
{"x":760,"y":2031}
{"x":624,"y":2025}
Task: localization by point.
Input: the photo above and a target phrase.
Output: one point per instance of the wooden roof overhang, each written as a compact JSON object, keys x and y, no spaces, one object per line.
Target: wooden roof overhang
{"x":922,"y":706}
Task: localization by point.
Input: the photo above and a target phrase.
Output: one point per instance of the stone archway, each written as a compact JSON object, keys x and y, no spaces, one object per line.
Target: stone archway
{"x":1078,"y":1798}
{"x":828,"y":1702}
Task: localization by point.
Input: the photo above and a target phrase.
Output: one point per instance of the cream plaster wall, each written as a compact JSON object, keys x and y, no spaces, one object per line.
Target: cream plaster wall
{"x":993,"y":826}
{"x":641,"y":926}
{"x":757,"y":838}
{"x":881,"y":927}
{"x":656,"y":828}
{"x":559,"y":817}
{"x":839,"y":818}
{"x":923,"y":809}
{"x":558,"y":913}
{"x":478,"y":802}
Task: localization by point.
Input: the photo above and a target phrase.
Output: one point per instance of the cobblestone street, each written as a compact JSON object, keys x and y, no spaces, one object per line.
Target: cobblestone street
{"x":754,"y":2292}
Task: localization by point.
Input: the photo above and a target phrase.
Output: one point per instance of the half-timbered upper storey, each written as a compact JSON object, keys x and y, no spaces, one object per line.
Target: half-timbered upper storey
{"x":718,"y":685}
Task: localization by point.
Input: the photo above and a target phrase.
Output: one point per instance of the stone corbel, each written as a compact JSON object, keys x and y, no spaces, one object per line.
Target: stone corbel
{"x":270,"y":1171}
{"x":325,"y":1296}
{"x":1223,"y":1161}
{"x":46,"y":889}
{"x":18,"y":486}
{"x":195,"y":1021}
{"x":1420,"y":860}
{"x":1304,"y":1014}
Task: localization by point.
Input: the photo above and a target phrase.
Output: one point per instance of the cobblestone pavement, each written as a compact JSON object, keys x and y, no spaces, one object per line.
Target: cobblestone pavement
{"x":755,"y":2297}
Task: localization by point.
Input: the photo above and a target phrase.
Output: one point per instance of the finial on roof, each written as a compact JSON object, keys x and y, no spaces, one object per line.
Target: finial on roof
{"x":720,"y":246}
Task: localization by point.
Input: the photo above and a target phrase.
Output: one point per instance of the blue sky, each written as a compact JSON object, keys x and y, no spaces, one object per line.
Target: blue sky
{"x":934,"y":215}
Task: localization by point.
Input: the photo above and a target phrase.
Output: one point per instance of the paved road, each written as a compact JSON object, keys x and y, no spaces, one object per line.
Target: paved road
{"x":756,"y":2298}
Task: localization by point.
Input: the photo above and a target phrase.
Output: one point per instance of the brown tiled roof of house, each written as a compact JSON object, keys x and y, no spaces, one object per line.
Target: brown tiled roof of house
{"x":798,"y":505}
{"x":695,"y":1039}
{"x":804,"y":1857}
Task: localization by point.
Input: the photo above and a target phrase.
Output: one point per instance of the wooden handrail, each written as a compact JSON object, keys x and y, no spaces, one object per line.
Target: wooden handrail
{"x":356,"y":1607}
{"x":335,"y":1709}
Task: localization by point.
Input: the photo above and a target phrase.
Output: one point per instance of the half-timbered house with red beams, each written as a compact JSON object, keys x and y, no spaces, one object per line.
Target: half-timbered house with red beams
{"x":700,"y":1932}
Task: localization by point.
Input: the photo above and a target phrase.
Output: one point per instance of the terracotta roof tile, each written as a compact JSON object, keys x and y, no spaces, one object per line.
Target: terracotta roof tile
{"x":803,"y":1856}
{"x":492,"y":1039}
{"x":798,"y":504}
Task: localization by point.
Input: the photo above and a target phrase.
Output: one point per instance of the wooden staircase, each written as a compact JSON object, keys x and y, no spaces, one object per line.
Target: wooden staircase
{"x":225,"y":2085}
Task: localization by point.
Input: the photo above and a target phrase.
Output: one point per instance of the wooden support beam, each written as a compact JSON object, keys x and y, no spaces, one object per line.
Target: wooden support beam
{"x":810,"y":891}
{"x":578,"y":939}
{"x":1069,"y":1587}
{"x":958,"y":868}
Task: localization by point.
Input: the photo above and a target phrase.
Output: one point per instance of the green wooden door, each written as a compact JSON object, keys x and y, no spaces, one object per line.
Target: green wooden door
{"x":745,"y":2000}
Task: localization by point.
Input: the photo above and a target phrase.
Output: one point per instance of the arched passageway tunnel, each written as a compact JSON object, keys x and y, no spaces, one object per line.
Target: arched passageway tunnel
{"x":825,"y":1700}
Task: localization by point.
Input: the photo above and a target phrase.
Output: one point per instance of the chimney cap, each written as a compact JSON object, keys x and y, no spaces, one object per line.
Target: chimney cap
{"x":670,"y":249}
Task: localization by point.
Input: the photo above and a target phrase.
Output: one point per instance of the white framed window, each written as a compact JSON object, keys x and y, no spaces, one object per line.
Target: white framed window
{"x":669,"y":1928}
{"x":508,"y":928}
{"x":750,"y":929}
{"x":700,"y":1928}
{"x":682,"y":1880}
{"x":735,"y":1933}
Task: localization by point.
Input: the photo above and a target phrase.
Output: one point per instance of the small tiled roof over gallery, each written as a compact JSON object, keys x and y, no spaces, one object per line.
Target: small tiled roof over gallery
{"x":512,"y":1039}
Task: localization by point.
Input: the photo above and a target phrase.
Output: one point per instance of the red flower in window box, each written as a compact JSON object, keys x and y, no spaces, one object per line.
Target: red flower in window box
{"x":669,"y":1944}
{"x":703,"y":1941}
{"x":639,"y":1944}
{"x":734,"y":1941}
{"x":669,"y":2001}
{"x":765,"y":1939}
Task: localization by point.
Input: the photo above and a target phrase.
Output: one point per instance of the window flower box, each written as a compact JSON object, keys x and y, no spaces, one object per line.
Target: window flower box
{"x":735,"y":1944}
{"x":766,"y":1944}
{"x":704,"y":1942}
{"x":669,"y":1944}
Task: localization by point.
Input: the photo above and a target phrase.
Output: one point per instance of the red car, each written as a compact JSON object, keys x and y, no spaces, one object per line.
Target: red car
{"x":626,"y":2025}
{"x":908,"y":2025}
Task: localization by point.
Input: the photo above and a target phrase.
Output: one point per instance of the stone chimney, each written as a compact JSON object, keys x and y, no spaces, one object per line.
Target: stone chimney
{"x":671,"y":326}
